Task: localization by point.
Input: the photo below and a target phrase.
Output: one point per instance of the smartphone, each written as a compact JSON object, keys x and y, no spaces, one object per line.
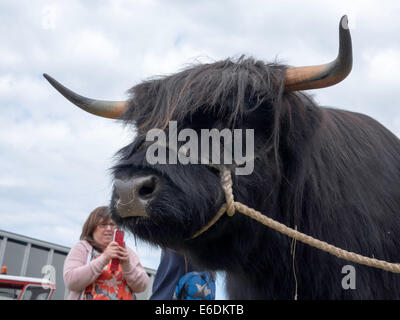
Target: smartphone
{"x":118,"y":238}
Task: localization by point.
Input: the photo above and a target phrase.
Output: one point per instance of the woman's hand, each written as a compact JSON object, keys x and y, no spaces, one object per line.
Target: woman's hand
{"x":123,"y":255}
{"x":111,"y":251}
{"x":115,"y":251}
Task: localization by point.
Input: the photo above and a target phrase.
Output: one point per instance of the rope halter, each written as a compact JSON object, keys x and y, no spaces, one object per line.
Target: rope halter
{"x":231,"y":206}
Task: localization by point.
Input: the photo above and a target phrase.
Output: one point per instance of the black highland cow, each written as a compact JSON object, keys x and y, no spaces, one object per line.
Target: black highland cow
{"x":332,"y":174}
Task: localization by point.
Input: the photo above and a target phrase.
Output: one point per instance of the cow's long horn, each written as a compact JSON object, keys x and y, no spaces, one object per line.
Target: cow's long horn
{"x":106,"y":109}
{"x":325,"y":75}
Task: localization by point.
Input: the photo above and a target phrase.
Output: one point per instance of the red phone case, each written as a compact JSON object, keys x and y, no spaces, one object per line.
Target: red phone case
{"x":118,"y":238}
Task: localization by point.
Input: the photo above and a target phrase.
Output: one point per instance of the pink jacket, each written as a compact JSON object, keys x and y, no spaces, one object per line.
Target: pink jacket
{"x":78,"y":274}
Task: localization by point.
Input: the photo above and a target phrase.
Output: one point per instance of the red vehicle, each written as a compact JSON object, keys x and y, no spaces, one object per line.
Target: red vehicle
{"x":25,"y":288}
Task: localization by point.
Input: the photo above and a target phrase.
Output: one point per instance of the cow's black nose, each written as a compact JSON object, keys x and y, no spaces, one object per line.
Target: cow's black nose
{"x":135,"y":194}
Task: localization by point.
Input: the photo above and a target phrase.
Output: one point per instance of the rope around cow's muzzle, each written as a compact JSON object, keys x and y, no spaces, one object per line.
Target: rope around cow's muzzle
{"x":231,"y":206}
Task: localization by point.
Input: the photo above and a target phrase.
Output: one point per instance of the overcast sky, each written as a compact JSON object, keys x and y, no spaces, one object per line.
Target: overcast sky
{"x":54,"y":158}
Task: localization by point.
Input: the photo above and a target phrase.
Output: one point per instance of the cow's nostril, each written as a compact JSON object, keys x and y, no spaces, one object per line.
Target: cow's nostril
{"x":147,"y":189}
{"x":132,"y":196}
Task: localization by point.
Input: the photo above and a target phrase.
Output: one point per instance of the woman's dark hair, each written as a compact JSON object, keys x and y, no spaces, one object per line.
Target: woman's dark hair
{"x":97,"y":216}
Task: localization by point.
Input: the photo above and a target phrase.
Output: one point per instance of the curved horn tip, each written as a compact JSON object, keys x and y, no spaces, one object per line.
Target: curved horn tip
{"x":102,"y":108}
{"x":344,"y":22}
{"x":46,"y":76}
{"x":49,"y":78}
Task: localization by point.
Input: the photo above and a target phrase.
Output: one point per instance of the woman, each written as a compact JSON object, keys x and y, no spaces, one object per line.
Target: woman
{"x":87,"y":273}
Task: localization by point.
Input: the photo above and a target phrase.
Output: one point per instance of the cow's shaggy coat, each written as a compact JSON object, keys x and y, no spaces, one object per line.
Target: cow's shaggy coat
{"x":332,"y":174}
